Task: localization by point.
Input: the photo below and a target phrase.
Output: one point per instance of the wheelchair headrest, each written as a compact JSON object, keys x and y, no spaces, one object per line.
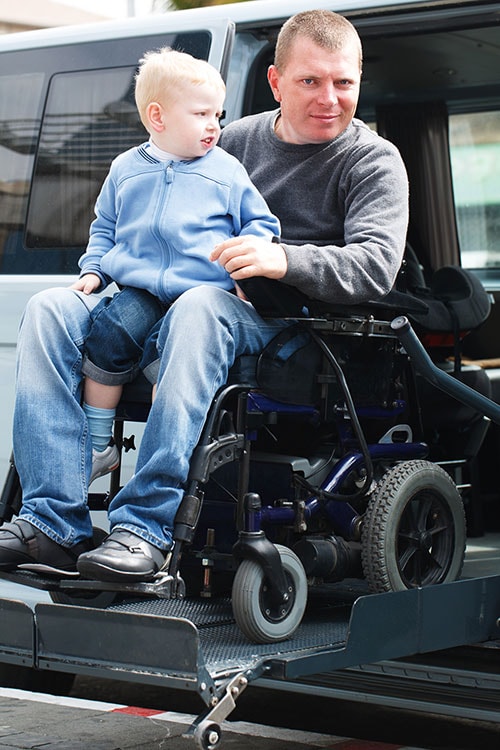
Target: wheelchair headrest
{"x":456,"y":301}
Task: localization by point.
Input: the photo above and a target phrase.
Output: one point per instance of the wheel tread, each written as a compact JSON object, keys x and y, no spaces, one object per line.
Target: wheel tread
{"x":379,"y":517}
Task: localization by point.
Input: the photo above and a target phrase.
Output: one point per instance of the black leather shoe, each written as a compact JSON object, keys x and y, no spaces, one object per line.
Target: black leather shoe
{"x":123,"y":556}
{"x":24,"y":546}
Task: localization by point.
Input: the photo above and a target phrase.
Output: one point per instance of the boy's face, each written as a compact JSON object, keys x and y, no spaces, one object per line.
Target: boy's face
{"x":190,"y":122}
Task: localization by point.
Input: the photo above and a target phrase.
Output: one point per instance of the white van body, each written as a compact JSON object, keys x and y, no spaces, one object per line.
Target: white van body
{"x":66,"y":109}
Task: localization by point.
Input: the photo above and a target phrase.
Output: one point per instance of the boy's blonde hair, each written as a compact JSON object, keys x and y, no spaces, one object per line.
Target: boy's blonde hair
{"x":163,"y":72}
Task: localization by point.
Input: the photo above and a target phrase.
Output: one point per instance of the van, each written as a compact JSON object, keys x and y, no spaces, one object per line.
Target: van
{"x":431,"y":84}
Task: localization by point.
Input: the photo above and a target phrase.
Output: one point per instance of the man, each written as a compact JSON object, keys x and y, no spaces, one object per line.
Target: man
{"x":340,"y":192}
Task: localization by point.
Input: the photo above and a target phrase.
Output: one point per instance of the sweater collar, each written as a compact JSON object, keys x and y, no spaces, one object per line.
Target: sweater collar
{"x":339,"y":142}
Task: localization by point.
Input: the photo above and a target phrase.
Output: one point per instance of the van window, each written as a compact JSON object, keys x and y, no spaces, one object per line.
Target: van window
{"x":20,"y":111}
{"x":475,"y":161}
{"x":90,"y":117}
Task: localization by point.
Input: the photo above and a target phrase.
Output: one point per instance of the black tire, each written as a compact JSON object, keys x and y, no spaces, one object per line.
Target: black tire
{"x":414,"y":531}
{"x":255,"y":615}
{"x":207,"y":735}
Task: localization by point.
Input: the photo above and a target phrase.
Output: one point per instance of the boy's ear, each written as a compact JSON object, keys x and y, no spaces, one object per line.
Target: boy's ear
{"x":154,"y":114}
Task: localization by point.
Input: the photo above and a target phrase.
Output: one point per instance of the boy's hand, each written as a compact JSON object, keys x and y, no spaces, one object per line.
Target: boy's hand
{"x":87,"y":284}
{"x":247,"y":256}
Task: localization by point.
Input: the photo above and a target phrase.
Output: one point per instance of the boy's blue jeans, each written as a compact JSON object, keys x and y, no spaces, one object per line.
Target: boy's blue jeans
{"x":114,"y":348}
{"x":200,"y":337}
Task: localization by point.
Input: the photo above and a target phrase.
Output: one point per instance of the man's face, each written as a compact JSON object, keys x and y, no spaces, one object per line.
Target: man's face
{"x":317,"y":90}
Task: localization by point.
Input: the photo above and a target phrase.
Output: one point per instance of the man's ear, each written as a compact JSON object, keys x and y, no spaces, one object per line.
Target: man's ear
{"x":273,"y":79}
{"x":154,"y":114}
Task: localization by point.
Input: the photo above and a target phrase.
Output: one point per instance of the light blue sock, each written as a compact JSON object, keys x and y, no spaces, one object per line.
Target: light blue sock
{"x":100,"y":423}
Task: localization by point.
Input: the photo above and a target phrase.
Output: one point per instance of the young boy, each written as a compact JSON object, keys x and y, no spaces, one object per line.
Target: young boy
{"x":163,"y":207}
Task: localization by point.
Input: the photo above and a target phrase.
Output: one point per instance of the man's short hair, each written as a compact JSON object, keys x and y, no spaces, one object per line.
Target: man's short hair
{"x":162,"y":73}
{"x":323,"y":27}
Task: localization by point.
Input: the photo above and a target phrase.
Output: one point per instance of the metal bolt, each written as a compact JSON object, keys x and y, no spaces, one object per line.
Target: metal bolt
{"x":213,"y":737}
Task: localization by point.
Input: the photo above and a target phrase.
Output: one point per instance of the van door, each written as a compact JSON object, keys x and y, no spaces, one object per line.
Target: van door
{"x":66,"y":110}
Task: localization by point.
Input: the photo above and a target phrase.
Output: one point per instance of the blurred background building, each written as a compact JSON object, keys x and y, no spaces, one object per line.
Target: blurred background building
{"x":26,"y":15}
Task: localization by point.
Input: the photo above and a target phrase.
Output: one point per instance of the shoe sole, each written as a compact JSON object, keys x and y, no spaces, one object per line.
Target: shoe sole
{"x":48,"y":570}
{"x":99,"y":572}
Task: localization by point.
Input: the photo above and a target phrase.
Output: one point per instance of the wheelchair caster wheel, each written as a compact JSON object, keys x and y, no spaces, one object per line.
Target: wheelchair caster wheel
{"x":257,"y":616}
{"x":208,"y":735}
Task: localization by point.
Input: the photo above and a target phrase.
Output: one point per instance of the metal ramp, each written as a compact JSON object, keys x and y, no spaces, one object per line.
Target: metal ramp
{"x":195,"y":644}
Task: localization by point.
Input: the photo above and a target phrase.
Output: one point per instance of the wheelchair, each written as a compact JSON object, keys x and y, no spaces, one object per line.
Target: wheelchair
{"x":318,"y":464}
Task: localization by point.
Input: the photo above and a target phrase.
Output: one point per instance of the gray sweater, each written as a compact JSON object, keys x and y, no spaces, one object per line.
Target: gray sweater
{"x":343,"y":206}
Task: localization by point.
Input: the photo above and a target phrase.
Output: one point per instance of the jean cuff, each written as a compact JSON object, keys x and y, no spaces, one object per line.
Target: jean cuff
{"x":104,"y":376}
{"x":151,"y":371}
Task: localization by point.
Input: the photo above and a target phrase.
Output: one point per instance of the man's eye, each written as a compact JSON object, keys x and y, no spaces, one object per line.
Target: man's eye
{"x":308,"y":81}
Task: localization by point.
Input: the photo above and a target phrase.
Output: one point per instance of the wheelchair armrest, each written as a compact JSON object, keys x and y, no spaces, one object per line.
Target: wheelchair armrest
{"x":272,"y":298}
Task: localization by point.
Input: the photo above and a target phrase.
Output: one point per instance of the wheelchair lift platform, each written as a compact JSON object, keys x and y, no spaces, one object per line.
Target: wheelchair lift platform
{"x":195,"y":645}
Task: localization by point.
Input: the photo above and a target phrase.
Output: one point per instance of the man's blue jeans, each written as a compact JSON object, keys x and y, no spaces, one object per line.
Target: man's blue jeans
{"x":201,"y":335}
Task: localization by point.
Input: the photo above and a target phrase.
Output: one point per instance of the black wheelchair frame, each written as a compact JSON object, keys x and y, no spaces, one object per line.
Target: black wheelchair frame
{"x":312,"y":468}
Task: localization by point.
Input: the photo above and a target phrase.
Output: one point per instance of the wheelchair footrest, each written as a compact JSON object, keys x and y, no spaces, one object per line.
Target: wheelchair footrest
{"x":164,"y":586}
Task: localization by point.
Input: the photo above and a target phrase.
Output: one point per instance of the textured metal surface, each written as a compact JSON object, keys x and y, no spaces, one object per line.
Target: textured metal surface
{"x":200,"y":612}
{"x":225,"y":648}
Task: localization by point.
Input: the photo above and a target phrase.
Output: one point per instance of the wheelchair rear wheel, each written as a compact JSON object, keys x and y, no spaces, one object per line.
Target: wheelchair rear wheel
{"x":414,"y":529}
{"x":255,"y":614}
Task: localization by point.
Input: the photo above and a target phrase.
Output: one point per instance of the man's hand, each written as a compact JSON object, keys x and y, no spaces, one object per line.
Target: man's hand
{"x":247,"y":256}
{"x":87,"y":284}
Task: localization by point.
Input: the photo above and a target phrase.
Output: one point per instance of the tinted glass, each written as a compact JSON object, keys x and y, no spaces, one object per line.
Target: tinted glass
{"x":90,"y":117}
{"x":20,"y":108}
{"x":475,"y":159}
